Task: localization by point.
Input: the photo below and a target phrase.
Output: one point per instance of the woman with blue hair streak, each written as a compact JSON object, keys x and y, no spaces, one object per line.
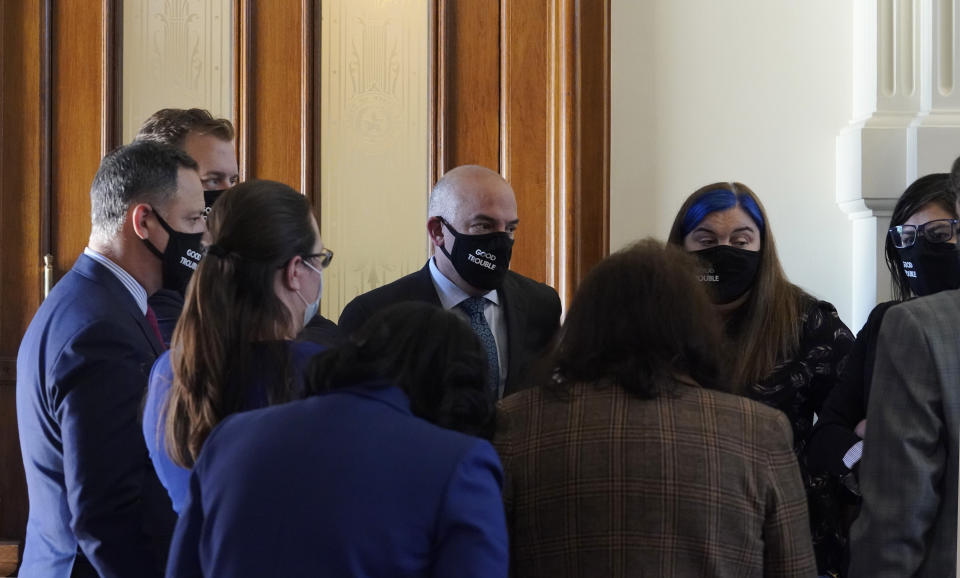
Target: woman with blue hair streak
{"x":784,"y":347}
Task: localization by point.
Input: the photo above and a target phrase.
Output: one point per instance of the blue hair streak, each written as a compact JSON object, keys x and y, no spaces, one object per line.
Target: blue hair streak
{"x":721,"y":200}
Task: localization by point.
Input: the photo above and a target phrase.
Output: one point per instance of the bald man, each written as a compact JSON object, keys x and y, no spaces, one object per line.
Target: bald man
{"x":472,"y":222}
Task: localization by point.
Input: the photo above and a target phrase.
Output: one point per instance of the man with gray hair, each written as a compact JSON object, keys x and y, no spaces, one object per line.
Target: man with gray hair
{"x":210,"y":142}
{"x":471,"y":224}
{"x":96,"y":505}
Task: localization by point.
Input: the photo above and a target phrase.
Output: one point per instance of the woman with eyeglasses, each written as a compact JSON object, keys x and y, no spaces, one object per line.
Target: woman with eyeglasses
{"x":921,"y":254}
{"x":782,"y":346}
{"x":232,"y":350}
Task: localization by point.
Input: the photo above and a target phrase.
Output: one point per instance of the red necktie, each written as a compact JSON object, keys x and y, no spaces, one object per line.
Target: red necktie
{"x":152,"y":320}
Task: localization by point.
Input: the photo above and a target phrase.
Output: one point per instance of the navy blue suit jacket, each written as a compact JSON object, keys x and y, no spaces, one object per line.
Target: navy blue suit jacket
{"x":81,"y":375}
{"x":349,"y":483}
{"x":532,"y":311}
{"x":167,"y":305}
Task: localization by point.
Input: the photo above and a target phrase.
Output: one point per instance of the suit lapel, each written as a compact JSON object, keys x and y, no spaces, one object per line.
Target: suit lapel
{"x":102,"y":276}
{"x":513,"y":304}
{"x":424,"y":287}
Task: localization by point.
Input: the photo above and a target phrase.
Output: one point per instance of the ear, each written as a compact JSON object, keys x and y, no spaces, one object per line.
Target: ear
{"x":435,"y":231}
{"x":291,"y":274}
{"x":138,"y":216}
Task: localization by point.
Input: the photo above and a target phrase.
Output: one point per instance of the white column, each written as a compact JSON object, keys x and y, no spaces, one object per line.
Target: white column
{"x":906,"y":123}
{"x":936,"y":131}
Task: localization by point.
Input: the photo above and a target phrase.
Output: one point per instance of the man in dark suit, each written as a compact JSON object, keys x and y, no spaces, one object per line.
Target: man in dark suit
{"x":210,"y":142}
{"x":472,"y":222}
{"x":82,"y":370}
{"x":908,"y":476}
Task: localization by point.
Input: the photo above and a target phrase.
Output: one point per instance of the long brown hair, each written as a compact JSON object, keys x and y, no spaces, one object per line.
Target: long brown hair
{"x":256,"y":228}
{"x":768,"y":328}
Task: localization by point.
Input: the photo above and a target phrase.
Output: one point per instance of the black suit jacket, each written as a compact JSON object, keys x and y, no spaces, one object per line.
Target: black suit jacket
{"x":532,"y":314}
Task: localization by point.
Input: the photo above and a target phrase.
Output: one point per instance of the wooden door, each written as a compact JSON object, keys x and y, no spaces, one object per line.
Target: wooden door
{"x":58,"y":104}
{"x":520,"y":86}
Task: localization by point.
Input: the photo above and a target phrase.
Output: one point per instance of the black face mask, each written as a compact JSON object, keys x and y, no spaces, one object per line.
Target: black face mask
{"x":180,"y":260}
{"x":481,"y":260}
{"x":729,"y":273}
{"x":209,"y":198}
{"x":931,"y":267}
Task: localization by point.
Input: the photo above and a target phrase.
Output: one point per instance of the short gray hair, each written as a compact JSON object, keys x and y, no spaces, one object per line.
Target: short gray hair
{"x":142,"y":171}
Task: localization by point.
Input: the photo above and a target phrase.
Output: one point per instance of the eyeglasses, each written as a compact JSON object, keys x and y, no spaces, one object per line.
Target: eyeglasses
{"x":939,"y":231}
{"x":325,"y":255}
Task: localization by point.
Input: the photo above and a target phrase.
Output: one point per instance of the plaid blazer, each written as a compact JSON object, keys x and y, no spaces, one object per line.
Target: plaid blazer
{"x":694,"y":483}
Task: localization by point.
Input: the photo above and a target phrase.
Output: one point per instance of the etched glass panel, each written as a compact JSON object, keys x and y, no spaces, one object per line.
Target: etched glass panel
{"x":374,"y":80}
{"x":176,"y":54}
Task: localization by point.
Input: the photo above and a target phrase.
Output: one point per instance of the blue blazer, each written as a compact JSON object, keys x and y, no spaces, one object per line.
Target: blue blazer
{"x":81,"y":375}
{"x":176,"y":479}
{"x":349,"y":483}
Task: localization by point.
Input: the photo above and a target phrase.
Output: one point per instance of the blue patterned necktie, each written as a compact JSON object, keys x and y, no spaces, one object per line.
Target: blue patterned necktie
{"x":473,"y":307}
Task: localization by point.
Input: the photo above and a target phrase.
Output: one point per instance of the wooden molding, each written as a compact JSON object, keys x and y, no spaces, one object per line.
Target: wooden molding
{"x":46,"y":130}
{"x":243,"y":46}
{"x":111,"y":116}
{"x":435,"y":113}
{"x":468,"y":85}
{"x":8,"y":370}
{"x":308,"y":133}
{"x":9,"y":557}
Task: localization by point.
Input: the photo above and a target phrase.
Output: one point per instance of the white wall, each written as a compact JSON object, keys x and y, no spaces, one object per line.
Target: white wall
{"x":749,"y":90}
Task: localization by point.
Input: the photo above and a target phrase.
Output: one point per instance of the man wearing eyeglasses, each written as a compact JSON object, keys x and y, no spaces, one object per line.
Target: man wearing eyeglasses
{"x":909,"y":470}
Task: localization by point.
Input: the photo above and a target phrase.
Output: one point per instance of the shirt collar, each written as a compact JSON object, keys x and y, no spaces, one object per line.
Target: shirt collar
{"x":133,"y":286}
{"x":451,"y":295}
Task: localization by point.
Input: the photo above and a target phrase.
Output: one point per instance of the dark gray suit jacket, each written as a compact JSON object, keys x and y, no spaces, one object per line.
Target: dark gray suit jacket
{"x":908,"y":523}
{"x":532,"y":311}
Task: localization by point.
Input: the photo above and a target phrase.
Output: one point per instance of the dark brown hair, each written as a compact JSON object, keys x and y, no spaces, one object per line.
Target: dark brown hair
{"x":934,"y":189}
{"x":640,"y":320}
{"x":768,"y":327}
{"x":171,"y":126}
{"x":231,"y":304}
{"x":431,"y":354}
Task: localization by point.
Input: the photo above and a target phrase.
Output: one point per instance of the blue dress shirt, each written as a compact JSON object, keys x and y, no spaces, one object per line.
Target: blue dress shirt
{"x":174,"y":478}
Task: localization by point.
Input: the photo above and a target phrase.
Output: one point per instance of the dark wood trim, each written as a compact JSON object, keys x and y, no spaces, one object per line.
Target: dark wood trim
{"x":46,"y":133}
{"x":591,"y":196}
{"x":111,"y":131}
{"x":504,"y":46}
{"x":244,"y":59}
{"x":314,"y":103}
{"x":306,"y":98}
{"x":235,"y":46}
{"x":435,"y":108}
{"x":562,"y":126}
{"x":8,"y":370}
